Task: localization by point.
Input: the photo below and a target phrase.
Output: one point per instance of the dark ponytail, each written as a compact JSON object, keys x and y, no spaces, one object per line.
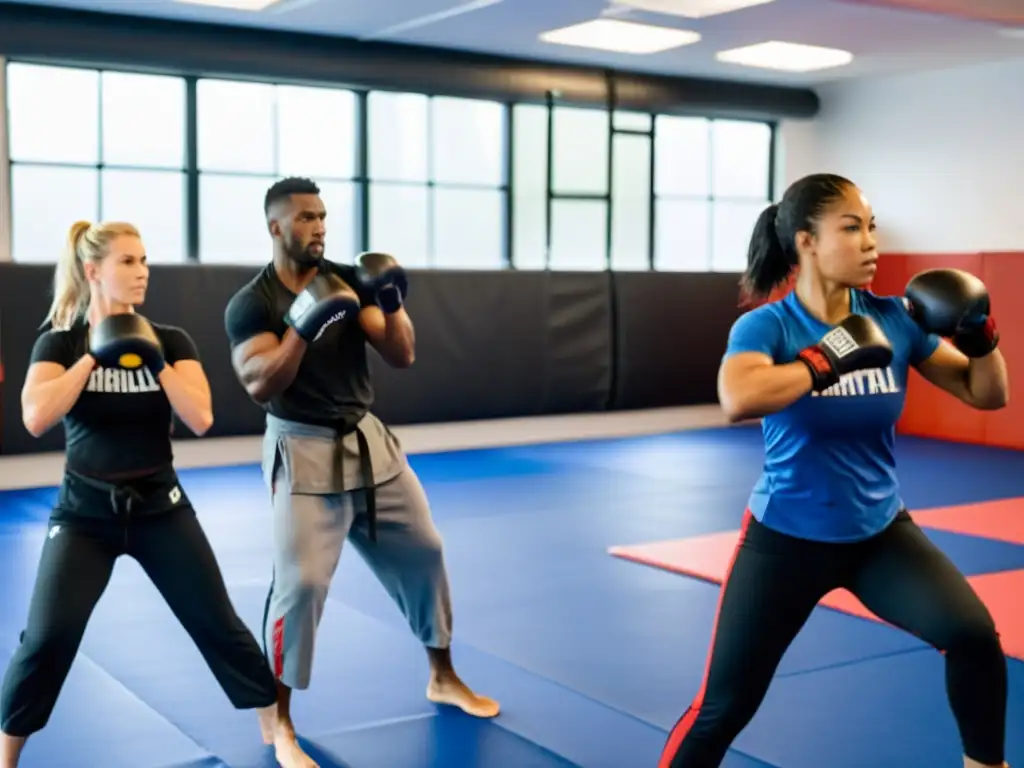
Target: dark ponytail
{"x":768,"y":263}
{"x":772,"y":255}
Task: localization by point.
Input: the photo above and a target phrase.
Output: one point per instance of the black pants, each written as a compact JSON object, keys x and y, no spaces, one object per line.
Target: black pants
{"x":90,"y":529}
{"x":776,"y":581}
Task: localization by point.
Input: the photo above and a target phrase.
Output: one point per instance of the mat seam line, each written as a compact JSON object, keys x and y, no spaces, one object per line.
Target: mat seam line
{"x":851,"y":662}
{"x":153,"y":709}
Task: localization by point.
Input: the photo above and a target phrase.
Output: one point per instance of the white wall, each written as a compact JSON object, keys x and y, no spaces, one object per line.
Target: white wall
{"x":940,"y":154}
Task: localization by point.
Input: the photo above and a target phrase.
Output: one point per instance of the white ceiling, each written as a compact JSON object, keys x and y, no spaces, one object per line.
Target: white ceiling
{"x":883,"y":40}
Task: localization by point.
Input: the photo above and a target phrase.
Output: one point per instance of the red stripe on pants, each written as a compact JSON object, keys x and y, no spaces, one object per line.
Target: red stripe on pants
{"x":279,"y":647}
{"x":685,"y":723}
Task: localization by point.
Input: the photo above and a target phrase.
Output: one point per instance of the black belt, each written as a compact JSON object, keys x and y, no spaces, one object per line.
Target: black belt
{"x":366,"y":470}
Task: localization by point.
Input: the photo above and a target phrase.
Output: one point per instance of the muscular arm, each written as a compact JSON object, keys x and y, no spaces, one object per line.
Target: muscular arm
{"x":392,"y":335}
{"x":981,"y":382}
{"x":266,"y":366}
{"x":751,"y":385}
{"x":50,"y":391}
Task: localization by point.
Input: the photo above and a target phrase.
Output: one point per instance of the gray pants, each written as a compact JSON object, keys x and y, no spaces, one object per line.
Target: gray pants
{"x":310,"y":529}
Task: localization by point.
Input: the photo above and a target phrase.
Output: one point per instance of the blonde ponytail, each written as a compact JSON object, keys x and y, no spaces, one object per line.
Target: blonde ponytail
{"x":70,"y":288}
{"x":86,"y":243}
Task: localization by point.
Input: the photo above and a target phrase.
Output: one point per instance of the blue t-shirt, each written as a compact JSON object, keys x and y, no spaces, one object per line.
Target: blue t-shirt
{"x":830,"y":465}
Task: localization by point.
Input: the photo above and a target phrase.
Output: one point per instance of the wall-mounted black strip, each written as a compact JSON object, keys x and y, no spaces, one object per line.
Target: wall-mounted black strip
{"x":64,"y":36}
{"x":652,"y":198}
{"x":509,"y":157}
{"x":549,"y":196}
{"x":363,"y":169}
{"x":609,"y":219}
{"x":191,"y":170}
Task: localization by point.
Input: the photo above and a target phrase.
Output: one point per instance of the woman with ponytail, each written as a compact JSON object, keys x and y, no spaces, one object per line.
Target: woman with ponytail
{"x":825,"y":368}
{"x":120,"y":494}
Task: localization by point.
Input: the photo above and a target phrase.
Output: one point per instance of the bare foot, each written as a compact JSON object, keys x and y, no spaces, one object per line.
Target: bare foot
{"x":452,"y":691}
{"x":288,"y":752}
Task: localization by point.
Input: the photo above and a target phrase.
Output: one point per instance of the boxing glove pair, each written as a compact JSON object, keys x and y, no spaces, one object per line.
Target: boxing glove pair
{"x":947,"y":302}
{"x":126,"y":341}
{"x":328,"y":299}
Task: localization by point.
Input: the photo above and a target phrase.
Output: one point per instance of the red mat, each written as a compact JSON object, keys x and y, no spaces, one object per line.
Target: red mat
{"x":1002,"y":520}
{"x":708,"y":558}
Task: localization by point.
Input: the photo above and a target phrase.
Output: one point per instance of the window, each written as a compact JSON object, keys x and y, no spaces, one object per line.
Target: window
{"x":154,"y":201}
{"x":712,"y":179}
{"x":121,"y":156}
{"x":732,"y":224}
{"x":235,"y":127}
{"x":288,"y":131}
{"x":40,"y":231}
{"x":437,"y":180}
{"x":399,"y":133}
{"x":143,"y":120}
{"x":578,"y":235}
{"x":529,"y":186}
{"x":631,"y":195}
{"x":579,"y":174}
{"x":316,"y":133}
{"x":467,"y":142}
{"x":232,"y":228}
{"x":580,"y":149}
{"x":741,"y":153}
{"x":682,"y":157}
{"x":682,"y":238}
{"x":400,"y":223}
{"x":435,"y":177}
{"x":61,"y":127}
{"x":469,"y":228}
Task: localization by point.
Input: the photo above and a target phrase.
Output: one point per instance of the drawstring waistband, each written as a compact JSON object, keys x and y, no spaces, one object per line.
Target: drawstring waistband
{"x":116,"y":492}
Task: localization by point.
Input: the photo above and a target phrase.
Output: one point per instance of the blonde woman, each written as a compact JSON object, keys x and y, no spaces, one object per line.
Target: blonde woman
{"x":114,"y":379}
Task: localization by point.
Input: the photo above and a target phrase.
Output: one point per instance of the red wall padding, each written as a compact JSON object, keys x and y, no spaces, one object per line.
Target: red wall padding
{"x":929,"y":411}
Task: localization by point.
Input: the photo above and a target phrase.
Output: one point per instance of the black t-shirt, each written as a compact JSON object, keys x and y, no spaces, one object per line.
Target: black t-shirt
{"x":120,"y":426}
{"x":332,"y":386}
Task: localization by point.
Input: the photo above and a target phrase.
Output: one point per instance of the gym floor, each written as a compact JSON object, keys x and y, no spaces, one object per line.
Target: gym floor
{"x":593,"y":656}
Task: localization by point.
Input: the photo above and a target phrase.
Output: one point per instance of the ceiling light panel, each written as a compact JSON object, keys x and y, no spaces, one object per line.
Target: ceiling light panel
{"x":786,"y":57}
{"x":620,"y":36}
{"x":690,"y":9}
{"x":235,"y":5}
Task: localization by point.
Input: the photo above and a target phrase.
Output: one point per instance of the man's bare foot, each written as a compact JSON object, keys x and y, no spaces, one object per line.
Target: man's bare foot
{"x":287,"y":751}
{"x":280,"y":732}
{"x":449,"y":689}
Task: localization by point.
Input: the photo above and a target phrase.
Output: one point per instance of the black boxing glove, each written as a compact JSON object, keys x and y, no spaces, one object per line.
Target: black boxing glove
{"x":954,"y":304}
{"x":326,"y":300}
{"x":126,"y":341}
{"x":383,"y":276}
{"x":855,"y":344}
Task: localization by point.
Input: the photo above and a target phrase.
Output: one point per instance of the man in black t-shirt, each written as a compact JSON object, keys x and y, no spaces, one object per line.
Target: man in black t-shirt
{"x":299,"y":332}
